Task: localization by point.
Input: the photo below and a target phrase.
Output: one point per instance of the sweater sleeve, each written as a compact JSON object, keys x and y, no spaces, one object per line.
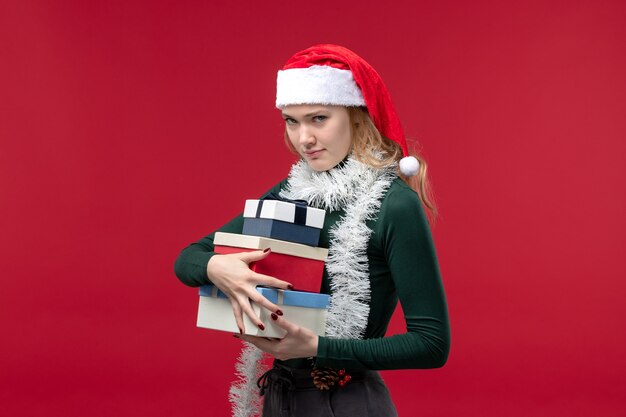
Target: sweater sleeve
{"x":191,"y":264}
{"x":410,"y":256}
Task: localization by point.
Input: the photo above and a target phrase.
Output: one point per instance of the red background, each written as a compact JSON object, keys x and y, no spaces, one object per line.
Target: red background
{"x":129,"y":129}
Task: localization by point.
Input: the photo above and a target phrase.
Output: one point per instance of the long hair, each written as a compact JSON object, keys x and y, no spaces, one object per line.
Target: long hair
{"x":370,"y":147}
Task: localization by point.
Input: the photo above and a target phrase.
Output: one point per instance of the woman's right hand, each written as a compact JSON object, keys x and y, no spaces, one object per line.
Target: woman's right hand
{"x":232,"y":275}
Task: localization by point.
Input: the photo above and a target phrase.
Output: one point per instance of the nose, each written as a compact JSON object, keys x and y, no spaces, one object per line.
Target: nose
{"x":306,"y":136}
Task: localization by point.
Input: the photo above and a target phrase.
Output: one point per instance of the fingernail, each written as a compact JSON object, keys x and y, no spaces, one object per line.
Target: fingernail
{"x":261,"y":326}
{"x":274,"y":316}
{"x":290,"y":287}
{"x":240,"y":330}
{"x":279,"y":312}
{"x":267,"y":250}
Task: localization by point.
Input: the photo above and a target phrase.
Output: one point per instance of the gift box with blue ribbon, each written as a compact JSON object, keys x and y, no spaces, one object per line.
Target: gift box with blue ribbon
{"x":283,"y":219}
{"x":304,"y":309}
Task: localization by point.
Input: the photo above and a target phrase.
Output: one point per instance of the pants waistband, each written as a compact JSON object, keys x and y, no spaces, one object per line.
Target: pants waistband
{"x":301,"y":379}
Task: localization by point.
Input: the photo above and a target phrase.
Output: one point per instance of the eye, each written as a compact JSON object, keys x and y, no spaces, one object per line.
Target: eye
{"x":319,"y":118}
{"x":290,"y":121}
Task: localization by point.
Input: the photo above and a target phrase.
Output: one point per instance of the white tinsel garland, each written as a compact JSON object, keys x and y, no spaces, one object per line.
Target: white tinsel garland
{"x":243,"y":393}
{"x":358,"y":189}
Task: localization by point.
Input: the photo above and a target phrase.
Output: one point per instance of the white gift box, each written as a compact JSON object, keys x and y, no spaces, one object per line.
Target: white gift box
{"x":301,"y":308}
{"x":291,"y":221}
{"x":283,"y":211}
{"x":277,"y":246}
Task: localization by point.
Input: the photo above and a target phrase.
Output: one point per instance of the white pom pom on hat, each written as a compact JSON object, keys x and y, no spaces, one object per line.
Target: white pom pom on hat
{"x":409,"y":166}
{"x":333,"y":75}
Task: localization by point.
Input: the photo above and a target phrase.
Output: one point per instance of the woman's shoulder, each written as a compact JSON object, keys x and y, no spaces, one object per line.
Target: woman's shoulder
{"x":277,"y":188}
{"x":400,"y":195}
{"x":401,"y":205}
{"x":401,"y":214}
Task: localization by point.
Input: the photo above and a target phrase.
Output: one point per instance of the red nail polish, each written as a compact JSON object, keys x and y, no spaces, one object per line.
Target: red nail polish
{"x":240,"y":330}
{"x":274,"y":316}
{"x":261,"y":326}
{"x":290,"y":287}
{"x":279,"y":312}
{"x":267,"y":250}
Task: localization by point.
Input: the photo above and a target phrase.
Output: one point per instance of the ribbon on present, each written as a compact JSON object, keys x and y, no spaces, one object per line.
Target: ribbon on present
{"x":301,"y":207}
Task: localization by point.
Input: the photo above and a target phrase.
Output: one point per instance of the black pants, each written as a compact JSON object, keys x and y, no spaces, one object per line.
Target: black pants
{"x":290,"y":393}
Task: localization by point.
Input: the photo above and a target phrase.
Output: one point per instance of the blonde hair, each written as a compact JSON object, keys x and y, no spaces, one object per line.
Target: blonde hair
{"x":371,"y":148}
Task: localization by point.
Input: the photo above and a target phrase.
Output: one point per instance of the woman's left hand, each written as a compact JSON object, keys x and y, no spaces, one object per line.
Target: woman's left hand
{"x":299,"y":342}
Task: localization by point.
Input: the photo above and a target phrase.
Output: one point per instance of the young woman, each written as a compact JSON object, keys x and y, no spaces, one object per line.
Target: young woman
{"x":354,"y":163}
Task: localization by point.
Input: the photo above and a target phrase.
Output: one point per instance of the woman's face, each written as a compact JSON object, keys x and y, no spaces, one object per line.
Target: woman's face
{"x":321,"y":134}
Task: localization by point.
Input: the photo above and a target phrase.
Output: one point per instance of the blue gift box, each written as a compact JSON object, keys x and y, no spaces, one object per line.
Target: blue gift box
{"x":290,"y":220}
{"x":277,"y":229}
{"x":302,"y":308}
{"x":276,"y":296}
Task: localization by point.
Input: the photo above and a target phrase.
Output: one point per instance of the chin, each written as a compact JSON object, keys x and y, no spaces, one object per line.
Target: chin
{"x":320,"y":166}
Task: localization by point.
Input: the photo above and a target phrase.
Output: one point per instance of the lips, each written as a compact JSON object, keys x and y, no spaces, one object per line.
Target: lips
{"x":313,"y":153}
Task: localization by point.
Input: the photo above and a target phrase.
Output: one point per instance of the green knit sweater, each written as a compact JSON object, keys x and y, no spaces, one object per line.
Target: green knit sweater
{"x":402,"y":264}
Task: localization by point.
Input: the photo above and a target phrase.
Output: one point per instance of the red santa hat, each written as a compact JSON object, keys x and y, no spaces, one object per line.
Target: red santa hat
{"x":334,"y":75}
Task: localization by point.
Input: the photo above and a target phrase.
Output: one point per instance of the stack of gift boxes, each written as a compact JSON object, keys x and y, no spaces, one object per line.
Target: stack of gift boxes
{"x":291,"y":230}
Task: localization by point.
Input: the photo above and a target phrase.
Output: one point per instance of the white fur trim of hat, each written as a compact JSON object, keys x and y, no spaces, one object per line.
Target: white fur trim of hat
{"x":318,"y":84}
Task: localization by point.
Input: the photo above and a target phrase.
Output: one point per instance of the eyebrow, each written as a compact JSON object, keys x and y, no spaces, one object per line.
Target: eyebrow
{"x":313,"y":113}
